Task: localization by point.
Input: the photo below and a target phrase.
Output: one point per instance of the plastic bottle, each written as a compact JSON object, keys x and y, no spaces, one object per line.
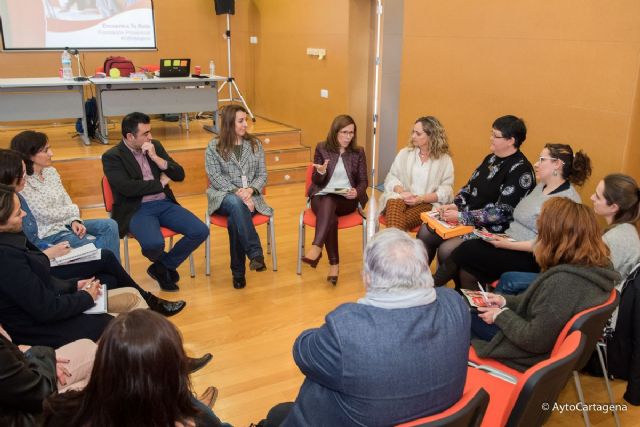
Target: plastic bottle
{"x":67,"y":71}
{"x":212,"y":68}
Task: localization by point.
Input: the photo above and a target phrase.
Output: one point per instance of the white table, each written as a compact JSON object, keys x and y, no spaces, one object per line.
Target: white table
{"x":118,"y":97}
{"x":43,"y":98}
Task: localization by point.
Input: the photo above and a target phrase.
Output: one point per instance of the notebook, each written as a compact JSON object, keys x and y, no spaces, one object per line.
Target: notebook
{"x":175,"y":67}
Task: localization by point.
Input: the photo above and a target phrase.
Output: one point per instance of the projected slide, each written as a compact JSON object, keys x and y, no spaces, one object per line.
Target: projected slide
{"x":82,"y":24}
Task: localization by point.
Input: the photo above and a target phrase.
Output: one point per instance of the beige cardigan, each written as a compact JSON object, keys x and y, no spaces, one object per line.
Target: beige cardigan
{"x":439,"y":181}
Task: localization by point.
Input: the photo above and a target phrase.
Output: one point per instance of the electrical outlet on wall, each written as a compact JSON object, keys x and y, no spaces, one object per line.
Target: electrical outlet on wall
{"x":253,"y":40}
{"x":324,"y":93}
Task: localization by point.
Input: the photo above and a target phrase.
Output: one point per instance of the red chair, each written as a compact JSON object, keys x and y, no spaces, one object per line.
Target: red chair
{"x":591,"y":323}
{"x":383,"y":220}
{"x":307,"y":217}
{"x":258,"y":219}
{"x":107,"y":197}
{"x":467,"y":412}
{"x":528,"y":402}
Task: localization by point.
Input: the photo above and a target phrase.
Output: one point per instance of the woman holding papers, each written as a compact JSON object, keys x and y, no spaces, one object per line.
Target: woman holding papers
{"x":339,"y":185}
{"x":496,"y":186}
{"x":520,"y":330}
{"x":105,"y":267}
{"x":58,"y":218}
{"x":237,"y":173}
{"x":558,"y":170}
{"x":35,"y":307}
{"x":420,"y":177}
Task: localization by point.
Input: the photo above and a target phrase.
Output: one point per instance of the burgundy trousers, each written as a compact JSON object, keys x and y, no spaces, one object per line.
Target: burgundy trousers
{"x":327,"y":209}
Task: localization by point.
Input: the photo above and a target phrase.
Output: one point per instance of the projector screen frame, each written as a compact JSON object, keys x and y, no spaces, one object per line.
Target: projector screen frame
{"x":4,"y":49}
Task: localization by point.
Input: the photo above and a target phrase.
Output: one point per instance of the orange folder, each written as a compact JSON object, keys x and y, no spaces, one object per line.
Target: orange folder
{"x":442,"y":228}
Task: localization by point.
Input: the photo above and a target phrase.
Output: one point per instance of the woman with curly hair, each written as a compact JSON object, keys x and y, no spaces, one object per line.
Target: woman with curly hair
{"x":420,"y":177}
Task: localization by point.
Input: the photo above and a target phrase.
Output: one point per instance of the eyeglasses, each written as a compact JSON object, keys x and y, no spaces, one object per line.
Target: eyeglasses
{"x":494,"y":136}
{"x":347,"y":132}
{"x":542,"y":159}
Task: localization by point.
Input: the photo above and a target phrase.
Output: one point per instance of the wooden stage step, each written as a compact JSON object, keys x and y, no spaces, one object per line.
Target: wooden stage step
{"x":81,"y":168}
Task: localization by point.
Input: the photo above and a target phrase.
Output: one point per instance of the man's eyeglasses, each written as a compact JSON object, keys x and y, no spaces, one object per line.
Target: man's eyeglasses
{"x":494,"y":136}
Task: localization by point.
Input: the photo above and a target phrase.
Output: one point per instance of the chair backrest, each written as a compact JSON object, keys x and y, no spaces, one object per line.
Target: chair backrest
{"x":591,"y":322}
{"x":107,"y":194}
{"x":538,"y":389}
{"x":466,"y":412}
{"x":307,"y":181}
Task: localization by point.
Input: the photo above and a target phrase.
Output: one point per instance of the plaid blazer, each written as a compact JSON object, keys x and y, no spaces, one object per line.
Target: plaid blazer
{"x":225,"y":176}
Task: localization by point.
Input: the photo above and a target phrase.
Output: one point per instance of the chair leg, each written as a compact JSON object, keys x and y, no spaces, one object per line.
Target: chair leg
{"x":364,"y":234}
{"x":207,"y":247}
{"x":271,"y":233}
{"x":300,"y":243}
{"x":603,"y":365}
{"x":192,"y":267}
{"x":585,"y":414}
{"x":269,"y":236}
{"x":126,"y":254}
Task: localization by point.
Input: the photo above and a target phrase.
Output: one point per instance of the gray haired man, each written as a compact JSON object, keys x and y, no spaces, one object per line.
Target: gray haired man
{"x":398,"y":354}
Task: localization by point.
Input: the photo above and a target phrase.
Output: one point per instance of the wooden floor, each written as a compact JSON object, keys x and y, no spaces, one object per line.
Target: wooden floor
{"x":251,"y":331}
{"x":67,"y":146}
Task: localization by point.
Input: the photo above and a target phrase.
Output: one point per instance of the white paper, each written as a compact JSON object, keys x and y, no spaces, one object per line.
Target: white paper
{"x":87,"y":252}
{"x":100,"y":304}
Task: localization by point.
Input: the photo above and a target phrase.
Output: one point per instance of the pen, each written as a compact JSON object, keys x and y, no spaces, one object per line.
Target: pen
{"x":484,"y":294}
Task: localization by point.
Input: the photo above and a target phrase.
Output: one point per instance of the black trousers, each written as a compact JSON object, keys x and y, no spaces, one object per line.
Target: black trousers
{"x":107,"y":269}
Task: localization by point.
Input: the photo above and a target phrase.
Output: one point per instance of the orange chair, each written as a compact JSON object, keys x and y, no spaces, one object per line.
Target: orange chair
{"x":528,"y":402}
{"x":258,"y":219}
{"x":307,"y":217}
{"x":107,"y":197}
{"x":591,"y":323}
{"x":467,"y":412}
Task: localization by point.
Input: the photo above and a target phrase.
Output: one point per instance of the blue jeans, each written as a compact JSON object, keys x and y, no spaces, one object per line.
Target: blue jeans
{"x":243,"y":238}
{"x":481,"y":329}
{"x":145,"y":227}
{"x":515,"y":282}
{"x":101,"y":232}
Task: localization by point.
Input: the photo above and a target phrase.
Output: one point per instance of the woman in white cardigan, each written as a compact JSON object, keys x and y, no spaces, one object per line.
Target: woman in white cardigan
{"x":421,"y":176}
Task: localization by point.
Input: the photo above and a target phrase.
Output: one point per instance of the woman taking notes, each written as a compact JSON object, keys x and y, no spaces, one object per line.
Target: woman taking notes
{"x":421,"y":176}
{"x":520,"y":330}
{"x":339,"y":183}
{"x":558,"y":170}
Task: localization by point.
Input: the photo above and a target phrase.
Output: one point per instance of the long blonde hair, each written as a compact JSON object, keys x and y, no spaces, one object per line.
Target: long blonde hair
{"x":438,"y":143}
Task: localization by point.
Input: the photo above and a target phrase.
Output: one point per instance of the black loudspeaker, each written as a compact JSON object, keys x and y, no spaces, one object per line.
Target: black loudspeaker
{"x":225,"y":6}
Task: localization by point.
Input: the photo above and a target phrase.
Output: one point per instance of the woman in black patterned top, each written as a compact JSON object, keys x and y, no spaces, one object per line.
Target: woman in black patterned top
{"x":489,"y":197}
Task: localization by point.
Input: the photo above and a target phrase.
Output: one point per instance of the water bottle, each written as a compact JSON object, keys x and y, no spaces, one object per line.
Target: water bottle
{"x":212,"y":68}
{"x":67,"y":72}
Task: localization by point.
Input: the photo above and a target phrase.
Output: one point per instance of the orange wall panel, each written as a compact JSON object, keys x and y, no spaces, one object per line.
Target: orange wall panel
{"x":569,"y":68}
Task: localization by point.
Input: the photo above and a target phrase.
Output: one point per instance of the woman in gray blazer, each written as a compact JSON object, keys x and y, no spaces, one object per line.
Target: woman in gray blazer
{"x":237,"y":175}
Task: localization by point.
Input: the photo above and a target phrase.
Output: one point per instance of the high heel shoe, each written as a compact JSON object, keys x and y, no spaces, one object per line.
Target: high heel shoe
{"x":333,"y":280}
{"x":313,"y":263}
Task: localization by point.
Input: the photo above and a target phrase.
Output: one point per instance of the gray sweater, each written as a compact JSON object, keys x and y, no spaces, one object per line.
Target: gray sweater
{"x":624,"y":244}
{"x":529,"y":329}
{"x":526,"y":213}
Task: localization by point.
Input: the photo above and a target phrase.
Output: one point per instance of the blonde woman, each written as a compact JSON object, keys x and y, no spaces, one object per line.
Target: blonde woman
{"x":421,"y":176}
